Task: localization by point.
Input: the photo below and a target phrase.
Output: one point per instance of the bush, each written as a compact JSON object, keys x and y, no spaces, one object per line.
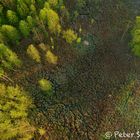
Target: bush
{"x":69,"y":36}
{"x":45,"y":85}
{"x":51,"y":58}
{"x":14,"y":105}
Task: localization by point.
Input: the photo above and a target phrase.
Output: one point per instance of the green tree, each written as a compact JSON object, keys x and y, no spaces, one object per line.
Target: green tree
{"x":12,"y":17}
{"x":50,"y":17}
{"x":40,"y":3}
{"x":46,"y":5}
{"x":2,"y":16}
{"x":14,"y":106}
{"x":7,"y":57}
{"x":56,"y":4}
{"x":33,"y":9}
{"x":1,"y":9}
{"x":31,"y":21}
{"x":24,"y":28}
{"x":29,"y":2}
{"x":2,"y":38}
{"x":10,"y":32}
{"x":53,"y":3}
{"x":22,"y":8}
{"x":53,"y":21}
{"x":43,"y":15}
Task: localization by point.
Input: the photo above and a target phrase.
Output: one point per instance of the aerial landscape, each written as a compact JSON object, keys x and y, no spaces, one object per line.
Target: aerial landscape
{"x":69,"y":69}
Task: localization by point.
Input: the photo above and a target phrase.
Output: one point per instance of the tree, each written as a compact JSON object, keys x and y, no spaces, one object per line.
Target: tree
{"x":53,"y":21}
{"x":33,"y":53}
{"x":12,"y":17}
{"x":40,"y":3}
{"x":2,"y":38}
{"x":10,"y":32}
{"x":8,"y":3}
{"x":53,"y":3}
{"x":1,"y":9}
{"x":69,"y":36}
{"x":2,"y":17}
{"x":14,"y":105}
{"x":43,"y":15}
{"x":33,"y":9}
{"x":24,"y":28}
{"x":51,"y":18}
{"x":22,"y":8}
{"x":30,"y":21}
{"x":7,"y":57}
{"x":29,"y":2}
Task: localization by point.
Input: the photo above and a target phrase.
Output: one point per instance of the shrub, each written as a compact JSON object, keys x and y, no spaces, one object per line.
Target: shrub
{"x":78,"y":40}
{"x":51,"y":58}
{"x":14,"y":105}
{"x":33,"y":53}
{"x":41,"y":131}
{"x":45,"y":85}
{"x":69,"y":36}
